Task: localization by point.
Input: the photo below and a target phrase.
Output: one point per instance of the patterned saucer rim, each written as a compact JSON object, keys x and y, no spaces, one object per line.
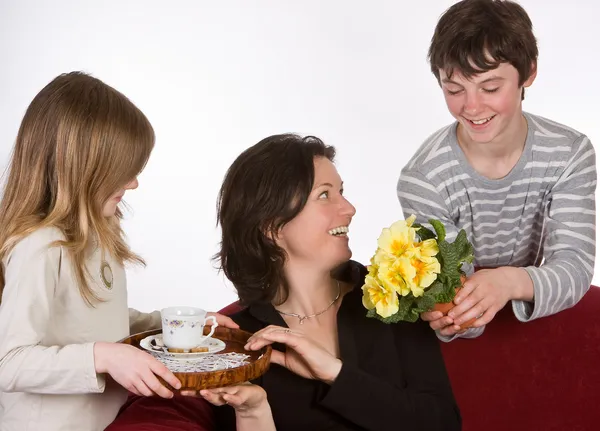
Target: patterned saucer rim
{"x":214,"y":346}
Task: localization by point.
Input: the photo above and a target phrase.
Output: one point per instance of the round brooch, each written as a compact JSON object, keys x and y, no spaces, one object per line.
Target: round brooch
{"x":106,"y":274}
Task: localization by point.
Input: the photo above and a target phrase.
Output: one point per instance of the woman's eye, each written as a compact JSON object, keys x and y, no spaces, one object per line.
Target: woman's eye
{"x":324,"y":195}
{"x":491,"y":90}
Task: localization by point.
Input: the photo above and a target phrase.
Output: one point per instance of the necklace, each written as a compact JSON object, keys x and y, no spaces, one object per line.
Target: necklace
{"x":303,"y":318}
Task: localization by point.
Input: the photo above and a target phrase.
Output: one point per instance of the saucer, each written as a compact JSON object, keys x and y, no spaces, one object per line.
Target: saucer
{"x":214,"y":345}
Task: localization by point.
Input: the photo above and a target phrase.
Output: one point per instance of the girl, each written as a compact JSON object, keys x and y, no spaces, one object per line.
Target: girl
{"x":80,"y":147}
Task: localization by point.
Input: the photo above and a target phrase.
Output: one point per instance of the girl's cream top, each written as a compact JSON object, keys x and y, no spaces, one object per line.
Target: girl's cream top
{"x":47,"y":332}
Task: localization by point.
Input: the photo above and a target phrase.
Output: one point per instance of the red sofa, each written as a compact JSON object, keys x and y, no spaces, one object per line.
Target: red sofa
{"x":517,"y":376}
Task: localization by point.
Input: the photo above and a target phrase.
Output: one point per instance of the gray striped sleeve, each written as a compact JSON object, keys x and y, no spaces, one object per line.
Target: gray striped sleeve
{"x":419,"y":197}
{"x":569,"y":239}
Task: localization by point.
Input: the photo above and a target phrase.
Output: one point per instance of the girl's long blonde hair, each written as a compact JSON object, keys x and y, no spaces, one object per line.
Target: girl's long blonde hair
{"x":80,"y":142}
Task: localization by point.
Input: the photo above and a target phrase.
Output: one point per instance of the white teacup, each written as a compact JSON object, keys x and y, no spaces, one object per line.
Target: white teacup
{"x":182,"y":327}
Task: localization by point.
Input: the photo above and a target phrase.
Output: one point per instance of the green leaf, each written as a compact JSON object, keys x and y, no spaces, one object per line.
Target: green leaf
{"x":405,"y":312}
{"x":425,"y":302}
{"x":439,"y":294}
{"x":451,"y":257}
{"x":423,"y":232}
{"x":440,"y":230}
{"x":463,"y":247}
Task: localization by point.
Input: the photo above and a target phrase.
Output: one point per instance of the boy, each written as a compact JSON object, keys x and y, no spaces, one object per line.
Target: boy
{"x":521,"y":186}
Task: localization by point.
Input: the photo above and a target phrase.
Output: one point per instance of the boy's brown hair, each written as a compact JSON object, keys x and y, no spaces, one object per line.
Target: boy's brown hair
{"x":475,"y":36}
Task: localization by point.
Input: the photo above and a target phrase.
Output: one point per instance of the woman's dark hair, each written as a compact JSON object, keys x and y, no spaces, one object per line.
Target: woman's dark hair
{"x":265,"y":188}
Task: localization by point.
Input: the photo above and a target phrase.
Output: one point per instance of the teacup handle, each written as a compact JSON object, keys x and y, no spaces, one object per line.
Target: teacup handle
{"x":213,"y":327}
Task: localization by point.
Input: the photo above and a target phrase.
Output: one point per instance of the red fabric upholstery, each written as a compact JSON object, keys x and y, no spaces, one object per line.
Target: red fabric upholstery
{"x":159,"y":414}
{"x":231,"y":309}
{"x":540,"y":375}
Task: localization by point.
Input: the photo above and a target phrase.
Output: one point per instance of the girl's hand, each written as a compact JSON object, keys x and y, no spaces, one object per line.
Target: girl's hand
{"x":133,"y":369}
{"x":303,"y":356}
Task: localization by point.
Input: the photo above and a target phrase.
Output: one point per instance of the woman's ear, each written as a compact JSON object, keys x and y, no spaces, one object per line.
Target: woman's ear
{"x":272,"y":234}
{"x":278,"y":238}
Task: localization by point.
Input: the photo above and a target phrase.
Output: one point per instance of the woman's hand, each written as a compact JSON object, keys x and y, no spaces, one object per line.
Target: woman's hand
{"x":252,"y":410}
{"x":133,"y":369}
{"x":303,"y":356}
{"x":245,"y":398}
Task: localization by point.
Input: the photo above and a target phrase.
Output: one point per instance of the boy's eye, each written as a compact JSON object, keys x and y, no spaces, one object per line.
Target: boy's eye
{"x":491,"y":90}
{"x":453,"y":93}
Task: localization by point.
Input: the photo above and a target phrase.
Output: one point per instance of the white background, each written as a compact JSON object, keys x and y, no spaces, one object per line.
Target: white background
{"x":216,"y":77}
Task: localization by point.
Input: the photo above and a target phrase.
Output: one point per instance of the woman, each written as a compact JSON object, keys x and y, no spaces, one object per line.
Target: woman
{"x":284,"y":247}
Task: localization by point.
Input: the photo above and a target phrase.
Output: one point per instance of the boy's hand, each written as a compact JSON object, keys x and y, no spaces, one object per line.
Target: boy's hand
{"x":444,"y":324}
{"x":436,"y":320}
{"x":487,"y":291}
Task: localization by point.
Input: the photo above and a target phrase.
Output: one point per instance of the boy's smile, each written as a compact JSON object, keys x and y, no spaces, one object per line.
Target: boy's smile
{"x":487,"y":106}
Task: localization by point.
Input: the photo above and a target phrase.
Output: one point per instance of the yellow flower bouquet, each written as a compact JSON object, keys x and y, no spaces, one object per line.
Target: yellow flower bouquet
{"x":413,"y":269}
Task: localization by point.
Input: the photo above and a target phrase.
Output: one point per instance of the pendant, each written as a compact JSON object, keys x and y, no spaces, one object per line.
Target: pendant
{"x":302,"y":319}
{"x":106,"y":274}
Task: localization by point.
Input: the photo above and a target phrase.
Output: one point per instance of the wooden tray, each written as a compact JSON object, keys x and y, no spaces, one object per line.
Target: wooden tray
{"x":235,"y":340}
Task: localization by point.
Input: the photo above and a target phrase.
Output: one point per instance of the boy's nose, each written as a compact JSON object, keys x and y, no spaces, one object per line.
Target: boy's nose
{"x":472,"y":104}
